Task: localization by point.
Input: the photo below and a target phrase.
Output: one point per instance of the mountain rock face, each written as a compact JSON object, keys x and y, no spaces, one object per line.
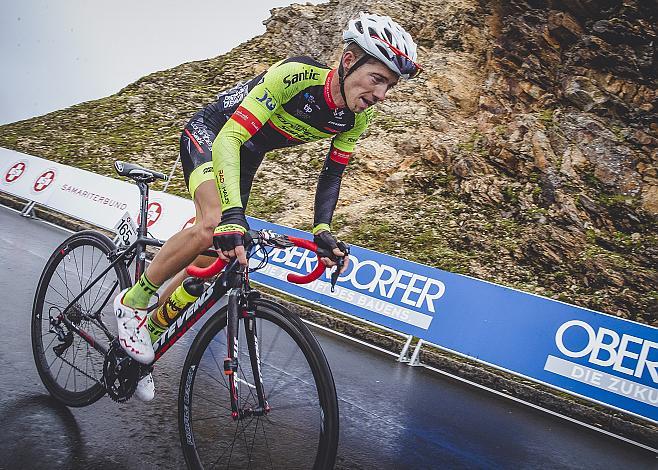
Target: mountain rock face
{"x":525,"y":153}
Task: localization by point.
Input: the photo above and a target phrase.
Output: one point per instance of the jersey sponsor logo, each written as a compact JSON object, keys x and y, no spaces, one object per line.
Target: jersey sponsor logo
{"x":338,"y":113}
{"x":223,"y":192}
{"x":247,"y":120}
{"x":267,"y":100}
{"x":234,"y":97}
{"x":295,"y":130}
{"x":307,"y":74}
{"x":309,"y":97}
{"x":201,"y":133}
{"x":338,"y":124}
{"x":339,"y":156}
{"x":207,"y":170}
{"x":44,"y":180}
{"x":16,"y":171}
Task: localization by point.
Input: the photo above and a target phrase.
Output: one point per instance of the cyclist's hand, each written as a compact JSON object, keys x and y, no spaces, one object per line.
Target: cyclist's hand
{"x":229,"y":235}
{"x":329,"y":251}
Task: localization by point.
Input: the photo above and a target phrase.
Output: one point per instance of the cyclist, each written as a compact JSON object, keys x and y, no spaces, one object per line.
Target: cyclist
{"x":297,"y":100}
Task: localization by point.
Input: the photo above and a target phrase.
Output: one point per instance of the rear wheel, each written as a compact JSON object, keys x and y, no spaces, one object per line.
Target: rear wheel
{"x":301,"y":428}
{"x":69,"y":367}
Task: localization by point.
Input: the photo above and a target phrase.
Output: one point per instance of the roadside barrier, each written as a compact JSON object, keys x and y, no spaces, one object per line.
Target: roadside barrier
{"x":589,"y":354}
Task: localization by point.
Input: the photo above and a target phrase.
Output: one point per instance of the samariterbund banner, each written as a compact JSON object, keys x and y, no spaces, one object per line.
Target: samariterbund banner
{"x":590,"y":354}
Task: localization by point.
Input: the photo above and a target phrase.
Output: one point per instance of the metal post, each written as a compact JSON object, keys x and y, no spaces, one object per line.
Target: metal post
{"x":415,"y":361}
{"x":404,"y":354}
{"x":171,"y":173}
{"x":27,"y":210}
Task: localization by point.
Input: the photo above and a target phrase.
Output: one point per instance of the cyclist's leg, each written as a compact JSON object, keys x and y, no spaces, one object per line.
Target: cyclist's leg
{"x":184,"y":247}
{"x":181,"y":249}
{"x":200,"y":261}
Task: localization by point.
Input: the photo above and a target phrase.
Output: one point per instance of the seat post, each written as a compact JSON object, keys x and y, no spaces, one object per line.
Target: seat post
{"x":142,"y":229}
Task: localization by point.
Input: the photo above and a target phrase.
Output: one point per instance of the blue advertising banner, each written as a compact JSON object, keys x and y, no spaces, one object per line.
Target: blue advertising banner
{"x":597,"y":356}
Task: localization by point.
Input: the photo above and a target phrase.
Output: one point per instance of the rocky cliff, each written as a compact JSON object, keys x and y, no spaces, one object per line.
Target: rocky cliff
{"x":525,"y":154}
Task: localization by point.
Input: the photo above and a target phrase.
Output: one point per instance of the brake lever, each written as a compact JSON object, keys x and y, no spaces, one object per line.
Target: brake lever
{"x":336,"y":273}
{"x":340,"y":262}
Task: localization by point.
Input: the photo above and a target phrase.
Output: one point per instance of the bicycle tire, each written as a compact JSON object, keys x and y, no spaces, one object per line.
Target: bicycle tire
{"x":317,"y":394}
{"x":69,"y":269}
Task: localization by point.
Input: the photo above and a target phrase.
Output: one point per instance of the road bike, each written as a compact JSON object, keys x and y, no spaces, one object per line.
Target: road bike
{"x":256,"y":390}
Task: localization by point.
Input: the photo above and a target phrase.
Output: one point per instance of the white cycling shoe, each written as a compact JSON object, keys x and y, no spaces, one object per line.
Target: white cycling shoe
{"x":145,"y":390}
{"x":134,"y":338}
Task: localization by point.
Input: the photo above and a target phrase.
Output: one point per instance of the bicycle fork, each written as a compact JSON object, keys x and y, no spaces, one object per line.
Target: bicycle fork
{"x":240,"y":306}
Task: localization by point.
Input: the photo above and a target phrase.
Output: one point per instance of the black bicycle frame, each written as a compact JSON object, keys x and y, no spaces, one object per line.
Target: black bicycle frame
{"x":136,"y":250}
{"x":231,"y":280}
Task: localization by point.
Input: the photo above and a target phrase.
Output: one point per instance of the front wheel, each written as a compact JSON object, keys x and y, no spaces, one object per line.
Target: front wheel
{"x":300,"y":430}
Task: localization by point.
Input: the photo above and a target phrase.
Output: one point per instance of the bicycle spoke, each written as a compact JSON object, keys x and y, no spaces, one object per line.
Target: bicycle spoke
{"x":223,"y":384}
{"x":194,"y":420}
{"x":283,"y":371}
{"x":51,"y":341}
{"x":267,"y":442}
{"x":91,"y":277}
{"x":66,"y":299}
{"x":214,"y":403}
{"x":77,"y":268}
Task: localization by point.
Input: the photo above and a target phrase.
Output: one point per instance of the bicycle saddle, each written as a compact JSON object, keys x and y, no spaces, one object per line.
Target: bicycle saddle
{"x":138,"y":172}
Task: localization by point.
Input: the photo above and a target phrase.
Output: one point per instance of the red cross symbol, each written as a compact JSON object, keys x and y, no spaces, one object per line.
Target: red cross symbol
{"x":153,"y":213}
{"x":44,"y":180}
{"x":15,"y":172}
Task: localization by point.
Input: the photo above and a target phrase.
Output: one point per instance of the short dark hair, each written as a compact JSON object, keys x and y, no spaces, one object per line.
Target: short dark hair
{"x":355,"y":49}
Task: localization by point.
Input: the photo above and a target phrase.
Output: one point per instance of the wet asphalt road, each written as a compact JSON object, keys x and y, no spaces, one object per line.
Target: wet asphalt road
{"x":392,"y":416}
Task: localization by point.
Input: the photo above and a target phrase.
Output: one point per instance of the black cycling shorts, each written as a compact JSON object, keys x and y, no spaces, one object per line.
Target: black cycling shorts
{"x":196,"y":156}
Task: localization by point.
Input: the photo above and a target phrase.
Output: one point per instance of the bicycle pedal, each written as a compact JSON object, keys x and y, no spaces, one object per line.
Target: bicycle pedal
{"x":230,"y":366}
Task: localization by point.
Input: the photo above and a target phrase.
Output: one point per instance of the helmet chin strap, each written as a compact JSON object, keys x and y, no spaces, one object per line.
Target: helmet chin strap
{"x":342,"y":75}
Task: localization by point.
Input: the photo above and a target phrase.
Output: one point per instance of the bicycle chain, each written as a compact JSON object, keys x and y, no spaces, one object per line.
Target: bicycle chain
{"x":80,"y":370}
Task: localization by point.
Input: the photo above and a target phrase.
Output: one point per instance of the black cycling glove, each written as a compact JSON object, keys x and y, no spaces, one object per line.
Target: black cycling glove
{"x":326,"y":243}
{"x":231,"y":230}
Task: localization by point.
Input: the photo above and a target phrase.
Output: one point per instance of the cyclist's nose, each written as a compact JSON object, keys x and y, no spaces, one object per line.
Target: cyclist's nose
{"x":380,"y":92}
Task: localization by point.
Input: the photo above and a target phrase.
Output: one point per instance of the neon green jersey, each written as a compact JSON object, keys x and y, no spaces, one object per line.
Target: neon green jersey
{"x":288,"y":105}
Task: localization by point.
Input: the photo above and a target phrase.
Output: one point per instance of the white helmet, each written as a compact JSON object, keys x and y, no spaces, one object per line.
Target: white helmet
{"x":384,"y":39}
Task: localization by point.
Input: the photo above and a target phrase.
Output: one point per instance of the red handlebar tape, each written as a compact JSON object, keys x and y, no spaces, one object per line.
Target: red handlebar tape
{"x":219,"y":264}
{"x":210,"y":271}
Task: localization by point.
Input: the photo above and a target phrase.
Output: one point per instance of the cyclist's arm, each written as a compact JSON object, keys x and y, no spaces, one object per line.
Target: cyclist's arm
{"x":255,"y":110}
{"x":328,"y":189}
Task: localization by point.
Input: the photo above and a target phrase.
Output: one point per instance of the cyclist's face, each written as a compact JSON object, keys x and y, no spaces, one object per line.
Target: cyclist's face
{"x":368,"y":85}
